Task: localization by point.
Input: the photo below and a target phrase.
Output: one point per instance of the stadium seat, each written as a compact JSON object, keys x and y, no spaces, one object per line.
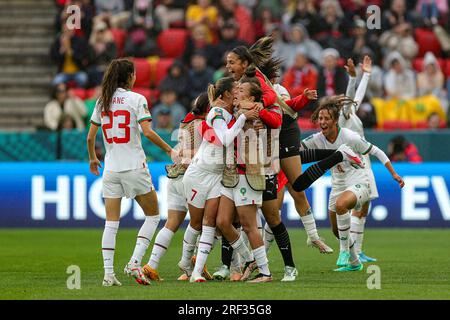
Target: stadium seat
{"x":396,"y":125}
{"x":119,"y":36}
{"x":305,"y":124}
{"x":427,"y":41}
{"x":89,"y":93}
{"x":423,"y":125}
{"x":161,"y":67}
{"x":447,"y":68}
{"x":172,"y":42}
{"x":418,"y":64}
{"x":143,"y":75}
{"x":78,"y":92}
{"x":146,"y":92}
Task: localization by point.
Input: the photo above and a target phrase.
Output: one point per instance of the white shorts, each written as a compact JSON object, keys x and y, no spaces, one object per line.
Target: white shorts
{"x":200,"y":185}
{"x":176,"y":200}
{"x":128,"y":184}
{"x":361,"y":191}
{"x":242,"y":194}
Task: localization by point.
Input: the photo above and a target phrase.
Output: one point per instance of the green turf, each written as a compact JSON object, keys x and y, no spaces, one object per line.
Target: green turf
{"x":414,"y":264}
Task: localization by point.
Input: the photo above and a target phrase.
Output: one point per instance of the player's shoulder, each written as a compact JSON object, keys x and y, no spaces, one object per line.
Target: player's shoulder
{"x":349,"y":133}
{"x":218,"y":113}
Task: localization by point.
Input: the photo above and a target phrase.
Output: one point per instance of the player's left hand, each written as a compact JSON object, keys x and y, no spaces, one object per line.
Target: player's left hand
{"x":174,"y":155}
{"x":94,"y":165}
{"x":310,"y":94}
{"x":399,"y":180}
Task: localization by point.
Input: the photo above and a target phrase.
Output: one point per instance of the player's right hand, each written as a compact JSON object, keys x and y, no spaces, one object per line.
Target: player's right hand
{"x":94,"y":165}
{"x":399,"y":180}
{"x":252,"y":114}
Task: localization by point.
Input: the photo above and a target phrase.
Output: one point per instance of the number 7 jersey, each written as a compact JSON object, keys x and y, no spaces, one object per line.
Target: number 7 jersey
{"x":120,"y":127}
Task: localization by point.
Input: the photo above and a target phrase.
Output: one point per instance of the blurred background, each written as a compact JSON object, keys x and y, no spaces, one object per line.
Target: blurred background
{"x":51,"y":74}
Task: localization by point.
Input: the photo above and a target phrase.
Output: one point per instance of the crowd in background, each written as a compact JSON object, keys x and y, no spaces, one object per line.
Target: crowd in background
{"x":312,"y":37}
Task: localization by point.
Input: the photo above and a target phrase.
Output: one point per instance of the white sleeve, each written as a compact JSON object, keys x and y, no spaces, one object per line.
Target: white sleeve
{"x":142,"y":111}
{"x":96,"y":117}
{"x":377,"y":152}
{"x":309,"y":142}
{"x":226,"y":135}
{"x":361,"y":92}
{"x":347,"y":109}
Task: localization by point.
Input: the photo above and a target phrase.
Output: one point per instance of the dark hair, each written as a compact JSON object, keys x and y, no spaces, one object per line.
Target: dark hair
{"x":117,"y":75}
{"x":55,"y":89}
{"x":399,"y":144}
{"x":333,"y":105}
{"x":222,"y":85}
{"x":259,"y":55}
{"x":201,"y":104}
{"x":255,"y":87}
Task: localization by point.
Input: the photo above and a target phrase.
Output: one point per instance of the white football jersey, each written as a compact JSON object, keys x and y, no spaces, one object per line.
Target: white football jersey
{"x":342,"y":174}
{"x":120,"y":127}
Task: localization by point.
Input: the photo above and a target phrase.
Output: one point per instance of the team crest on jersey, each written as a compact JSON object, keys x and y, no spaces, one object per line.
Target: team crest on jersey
{"x":243,"y":191}
{"x":146,"y":108}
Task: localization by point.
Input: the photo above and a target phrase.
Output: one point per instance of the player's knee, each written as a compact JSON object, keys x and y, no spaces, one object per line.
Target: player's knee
{"x":341,"y":206}
{"x":273,"y":220}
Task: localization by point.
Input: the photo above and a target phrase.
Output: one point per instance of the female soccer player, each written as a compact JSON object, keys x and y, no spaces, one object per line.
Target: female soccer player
{"x":260,"y":54}
{"x":119,"y":112}
{"x":349,"y":119}
{"x":202,"y":180}
{"x":189,"y":140}
{"x":350,"y":187}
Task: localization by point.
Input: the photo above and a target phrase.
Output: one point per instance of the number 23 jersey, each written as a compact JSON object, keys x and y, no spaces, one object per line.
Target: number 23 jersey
{"x":120,"y":127}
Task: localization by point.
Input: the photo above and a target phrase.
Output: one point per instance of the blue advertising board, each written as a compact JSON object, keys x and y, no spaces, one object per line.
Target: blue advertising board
{"x":68,"y":195}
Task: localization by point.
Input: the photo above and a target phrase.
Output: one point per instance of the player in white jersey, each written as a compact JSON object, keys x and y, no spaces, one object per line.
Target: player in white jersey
{"x":350,"y":186}
{"x":349,"y":119}
{"x":202,"y":179}
{"x":119,"y":112}
{"x":189,"y":140}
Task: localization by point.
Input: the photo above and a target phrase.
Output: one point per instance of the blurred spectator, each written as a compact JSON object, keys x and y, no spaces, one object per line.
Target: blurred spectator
{"x":228,"y":40}
{"x":163,"y":120}
{"x":358,"y":7}
{"x":139,"y":43}
{"x":363,"y":42}
{"x":401,"y":150}
{"x":200,"y":75}
{"x":170,"y":11}
{"x":332,"y":77}
{"x":198,"y":40}
{"x":333,"y":25}
{"x":400,"y":39}
{"x":87,"y":11}
{"x":71,"y":53}
{"x":396,"y":15}
{"x":177,"y":80}
{"x":432,"y":10}
{"x":304,"y":14}
{"x":431,"y":79}
{"x":264,"y":22}
{"x":169,"y":102}
{"x":112,"y":12}
{"x":230,"y":9}
{"x":300,"y":76}
{"x":62,"y":104}
{"x":434,"y":121}
{"x":104,"y":50}
{"x":366,"y":113}
{"x":142,"y":15}
{"x":90,"y":104}
{"x":299,"y":40}
{"x":66,"y":123}
{"x":279,"y":45}
{"x":203,"y":13}
{"x":399,"y":81}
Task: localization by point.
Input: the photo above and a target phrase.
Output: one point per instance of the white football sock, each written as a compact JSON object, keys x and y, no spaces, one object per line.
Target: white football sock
{"x":343,"y":224}
{"x":309,"y":223}
{"x":259,"y":217}
{"x":204,"y":248}
{"x":189,"y":240}
{"x":109,"y":245}
{"x":261,"y":260}
{"x":236,"y":262}
{"x":268,"y":237}
{"x":162,"y":242}
{"x":354,"y":258}
{"x":357,"y":231}
{"x":144,"y":237}
{"x":240,"y":247}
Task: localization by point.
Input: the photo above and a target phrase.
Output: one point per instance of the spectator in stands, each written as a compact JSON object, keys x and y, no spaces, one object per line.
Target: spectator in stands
{"x":87,"y":11}
{"x":71,"y":53}
{"x":169,"y":102}
{"x":142,"y":15}
{"x":431,"y":79}
{"x":434,"y":121}
{"x":163,"y":120}
{"x":200,"y":75}
{"x":104,"y":50}
{"x":332,"y":77}
{"x":66,"y":123}
{"x":177,"y":80}
{"x":111,"y":11}
{"x":198,"y":40}
{"x":363,"y":42}
{"x":431,"y":10}
{"x":264,"y":22}
{"x":300,"y":76}
{"x":299,"y":40}
{"x":63,"y":104}
{"x":170,"y":11}
{"x":399,"y":81}
{"x":305,"y":14}
{"x":230,"y":9}
{"x":227,"y":40}
{"x":279,"y":45}
{"x":203,"y":13}
{"x":140,"y":43}
{"x":400,"y":38}
{"x":397,"y":15}
{"x":358,"y":7}
{"x":366,"y":113}
{"x":401,"y":150}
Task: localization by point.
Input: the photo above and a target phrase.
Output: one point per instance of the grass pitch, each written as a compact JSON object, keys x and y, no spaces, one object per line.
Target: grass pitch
{"x":414,"y":264}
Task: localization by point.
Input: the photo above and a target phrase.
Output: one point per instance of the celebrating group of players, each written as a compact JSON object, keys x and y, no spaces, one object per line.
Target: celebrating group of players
{"x":238,"y":149}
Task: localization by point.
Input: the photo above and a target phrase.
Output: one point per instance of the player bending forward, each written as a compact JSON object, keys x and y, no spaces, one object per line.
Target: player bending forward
{"x":350,"y":186}
{"x":120,"y":112}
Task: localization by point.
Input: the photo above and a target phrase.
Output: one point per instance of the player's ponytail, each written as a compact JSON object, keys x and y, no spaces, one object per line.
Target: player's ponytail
{"x":118,"y":75}
{"x":222,"y":85}
{"x":333,"y":104}
{"x":201,"y":104}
